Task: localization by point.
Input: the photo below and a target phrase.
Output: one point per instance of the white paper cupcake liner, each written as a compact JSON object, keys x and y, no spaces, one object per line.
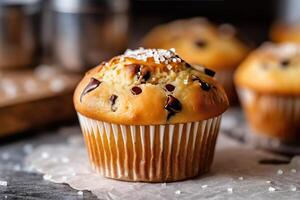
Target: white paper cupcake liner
{"x":272,"y":115}
{"x":152,"y":153}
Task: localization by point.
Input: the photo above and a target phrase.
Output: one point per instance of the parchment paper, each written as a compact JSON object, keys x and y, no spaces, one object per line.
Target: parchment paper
{"x":238,"y":172}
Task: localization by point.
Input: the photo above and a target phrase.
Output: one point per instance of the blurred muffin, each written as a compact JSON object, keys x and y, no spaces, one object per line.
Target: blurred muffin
{"x":281,"y":32}
{"x":268,"y":83}
{"x":200,"y":42}
{"x":149,"y":116}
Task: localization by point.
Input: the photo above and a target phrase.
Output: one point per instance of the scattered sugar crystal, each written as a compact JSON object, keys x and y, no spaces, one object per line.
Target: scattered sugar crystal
{"x":74,"y":174}
{"x":174,"y":60}
{"x":229,"y":190}
{"x":280,"y":172}
{"x":3,"y":183}
{"x":65,"y":160}
{"x":17,"y":167}
{"x":64,"y":178}
{"x":45,"y":155}
{"x":47,"y":177}
{"x":204,"y":186}
{"x":27,"y":148}
{"x":169,"y":67}
{"x":272,"y":189}
{"x":159,"y":55}
{"x":5,"y":196}
{"x":293,"y":188}
{"x":269,"y":182}
{"x":177,"y":192}
{"x":5,"y":156}
{"x":57,"y":85}
{"x":164,"y":185}
{"x":80,"y":193}
{"x":241,"y":178}
{"x":293,"y":170}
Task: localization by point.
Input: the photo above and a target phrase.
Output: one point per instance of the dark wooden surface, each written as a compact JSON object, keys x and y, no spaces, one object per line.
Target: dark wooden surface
{"x":30,"y":185}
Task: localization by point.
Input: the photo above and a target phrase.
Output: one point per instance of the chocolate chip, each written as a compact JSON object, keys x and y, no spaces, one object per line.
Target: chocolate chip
{"x":188,"y":65}
{"x":136,"y":90}
{"x":170,"y":87}
{"x":285,"y":63}
{"x":205,"y":86}
{"x":201,"y":43}
{"x":173,"y":105}
{"x":143,"y":74}
{"x":113,"y":99}
{"x":93,"y":84}
{"x":209,"y":72}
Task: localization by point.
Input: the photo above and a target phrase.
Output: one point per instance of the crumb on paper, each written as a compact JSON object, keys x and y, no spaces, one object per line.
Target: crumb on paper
{"x":80,"y":193}
{"x":164,"y":185}
{"x":269,"y":182}
{"x":241,"y":178}
{"x":293,"y":170}
{"x":204,"y":186}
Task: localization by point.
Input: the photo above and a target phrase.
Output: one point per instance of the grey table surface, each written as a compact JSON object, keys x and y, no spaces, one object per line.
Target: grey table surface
{"x":23,"y":184}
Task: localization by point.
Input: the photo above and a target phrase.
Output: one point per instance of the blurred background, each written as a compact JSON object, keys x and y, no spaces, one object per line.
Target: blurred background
{"x":46,"y":46}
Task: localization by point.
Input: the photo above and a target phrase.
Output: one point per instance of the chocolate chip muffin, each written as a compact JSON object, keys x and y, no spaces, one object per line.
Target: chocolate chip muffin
{"x":201,"y":42}
{"x":149,"y":116}
{"x":285,"y":32}
{"x":269,"y":87}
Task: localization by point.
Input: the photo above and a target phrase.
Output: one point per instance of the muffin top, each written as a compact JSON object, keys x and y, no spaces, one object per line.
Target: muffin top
{"x":282,"y":32}
{"x":272,"y":68}
{"x":149,"y":87}
{"x":198,"y":41}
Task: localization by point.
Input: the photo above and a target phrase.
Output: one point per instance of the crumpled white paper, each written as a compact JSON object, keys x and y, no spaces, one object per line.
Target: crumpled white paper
{"x":236,"y":174}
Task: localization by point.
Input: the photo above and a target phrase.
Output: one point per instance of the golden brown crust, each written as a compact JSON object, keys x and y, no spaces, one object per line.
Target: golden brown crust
{"x":281,"y":32}
{"x":271,"y":69}
{"x":147,"y":104}
{"x":198,"y":41}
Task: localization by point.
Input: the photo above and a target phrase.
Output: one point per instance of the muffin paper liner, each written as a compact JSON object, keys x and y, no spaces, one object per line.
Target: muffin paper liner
{"x":272,"y":115}
{"x":151,"y":153}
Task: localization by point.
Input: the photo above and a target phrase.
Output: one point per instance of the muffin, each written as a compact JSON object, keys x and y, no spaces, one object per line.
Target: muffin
{"x":268,"y":83}
{"x":149,"y":116}
{"x":201,"y":42}
{"x":284,"y":32}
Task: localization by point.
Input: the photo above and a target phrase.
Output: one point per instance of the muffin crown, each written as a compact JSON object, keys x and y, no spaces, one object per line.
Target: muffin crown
{"x":149,"y":86}
{"x":272,"y":68}
{"x":200,"y":42}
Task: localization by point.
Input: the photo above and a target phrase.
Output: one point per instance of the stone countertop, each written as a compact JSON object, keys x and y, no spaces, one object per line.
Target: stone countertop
{"x":22,"y":184}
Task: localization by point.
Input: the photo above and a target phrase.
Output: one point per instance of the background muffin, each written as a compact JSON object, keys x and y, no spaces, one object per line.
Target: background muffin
{"x":149,"y":116}
{"x":269,"y":87}
{"x":281,"y":32}
{"x":200,"y":42}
